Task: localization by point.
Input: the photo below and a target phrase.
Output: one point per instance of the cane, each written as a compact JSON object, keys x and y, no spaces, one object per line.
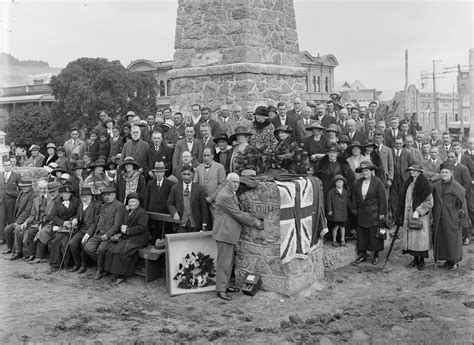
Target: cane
{"x":67,"y":245}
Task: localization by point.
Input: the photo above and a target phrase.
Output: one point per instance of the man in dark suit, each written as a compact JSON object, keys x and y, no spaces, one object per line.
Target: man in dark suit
{"x":304,"y":123}
{"x":116,"y":143}
{"x":14,"y":232}
{"x":322,"y":117}
{"x":445,"y":147}
{"x":191,"y":144}
{"x":206,"y":118}
{"x":297,"y":110}
{"x":229,"y":218}
{"x":434,"y":138}
{"x":223,"y":151}
{"x":156,"y":200}
{"x":187,"y":203}
{"x":158,"y":152}
{"x":177,"y":132}
{"x":206,"y":136}
{"x":284,"y":119}
{"x":87,"y":219}
{"x":402,"y":159}
{"x":462,"y":158}
{"x":352,"y":133}
{"x":431,"y":166}
{"x":413,"y":126}
{"x":97,"y":239}
{"x":393,"y":132}
{"x":8,"y":194}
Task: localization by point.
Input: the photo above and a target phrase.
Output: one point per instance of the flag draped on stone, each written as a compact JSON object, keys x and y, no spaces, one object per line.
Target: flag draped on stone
{"x":302,"y":217}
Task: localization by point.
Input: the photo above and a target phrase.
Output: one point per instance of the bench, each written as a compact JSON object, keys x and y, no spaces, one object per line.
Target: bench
{"x":150,"y":254}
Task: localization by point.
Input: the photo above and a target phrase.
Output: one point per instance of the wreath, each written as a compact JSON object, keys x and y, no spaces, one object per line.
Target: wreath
{"x":195,"y":271}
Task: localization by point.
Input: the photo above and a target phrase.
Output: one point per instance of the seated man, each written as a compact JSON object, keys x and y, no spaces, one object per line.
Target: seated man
{"x":97,"y":240}
{"x":187,"y":203}
{"x":38,"y":218}
{"x":87,"y":219}
{"x":14,"y":232}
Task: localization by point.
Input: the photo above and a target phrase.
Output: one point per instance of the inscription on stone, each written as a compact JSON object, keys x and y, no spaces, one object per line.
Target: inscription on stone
{"x":258,"y":210}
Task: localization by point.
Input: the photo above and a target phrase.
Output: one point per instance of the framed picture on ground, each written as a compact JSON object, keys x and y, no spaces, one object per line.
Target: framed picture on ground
{"x":190,"y":262}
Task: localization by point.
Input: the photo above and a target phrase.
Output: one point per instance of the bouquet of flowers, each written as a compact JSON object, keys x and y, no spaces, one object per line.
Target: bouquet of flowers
{"x":195,"y":271}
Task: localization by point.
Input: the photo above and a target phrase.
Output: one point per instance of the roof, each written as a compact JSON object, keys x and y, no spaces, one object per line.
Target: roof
{"x":143,"y":65}
{"x":326,"y":60}
{"x":27,"y":99}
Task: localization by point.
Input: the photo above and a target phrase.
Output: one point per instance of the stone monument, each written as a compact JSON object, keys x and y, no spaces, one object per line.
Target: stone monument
{"x":235,"y":52}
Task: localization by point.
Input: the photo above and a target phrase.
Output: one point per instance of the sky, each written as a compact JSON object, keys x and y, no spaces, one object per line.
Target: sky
{"x":368,"y":38}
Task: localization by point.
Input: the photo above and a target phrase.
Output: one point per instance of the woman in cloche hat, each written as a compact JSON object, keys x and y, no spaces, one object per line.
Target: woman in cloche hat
{"x":97,"y":180}
{"x":129,"y":179}
{"x":284,"y":156}
{"x":262,"y":130}
{"x":243,"y":155}
{"x":52,"y":156}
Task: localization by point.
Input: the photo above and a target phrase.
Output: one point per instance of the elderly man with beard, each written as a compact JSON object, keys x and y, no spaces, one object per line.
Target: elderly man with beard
{"x":229,"y":219}
{"x":136,"y":148}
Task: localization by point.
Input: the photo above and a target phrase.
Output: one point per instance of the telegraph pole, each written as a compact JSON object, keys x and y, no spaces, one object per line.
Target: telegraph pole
{"x":435,"y":97}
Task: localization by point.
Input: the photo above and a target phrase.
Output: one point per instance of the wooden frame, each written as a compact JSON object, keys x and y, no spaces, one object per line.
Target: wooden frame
{"x":177,"y":246}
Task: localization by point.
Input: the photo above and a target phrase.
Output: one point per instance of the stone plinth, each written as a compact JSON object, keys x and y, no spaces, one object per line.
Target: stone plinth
{"x":235,"y":52}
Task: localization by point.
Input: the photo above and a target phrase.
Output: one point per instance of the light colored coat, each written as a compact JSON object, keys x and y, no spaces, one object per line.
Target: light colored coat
{"x":387,"y":162}
{"x":212,"y":180}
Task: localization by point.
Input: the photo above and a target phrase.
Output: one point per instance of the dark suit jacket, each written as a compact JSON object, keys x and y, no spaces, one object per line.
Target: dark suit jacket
{"x":374,"y":204}
{"x":226,"y":164}
{"x":34,"y":214}
{"x":182,"y":146}
{"x":292,"y":113}
{"x":9,"y":191}
{"x":461,"y":174}
{"x":215,"y":128}
{"x":157,"y":200}
{"x":292,"y":122}
{"x":199,"y":207}
{"x":23,"y":206}
{"x":327,"y":120}
{"x":229,"y":217}
{"x":175,"y":133}
{"x":164,"y":154}
{"x":115,"y":146}
{"x":405,"y":160}
{"x":390,"y":139}
{"x":358,"y":136}
{"x":87,"y":220}
{"x":467,"y":162}
{"x":136,"y":222}
{"x":110,"y":219}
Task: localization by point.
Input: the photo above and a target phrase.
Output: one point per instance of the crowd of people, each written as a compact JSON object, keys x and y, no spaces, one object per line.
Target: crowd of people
{"x":101,"y":183}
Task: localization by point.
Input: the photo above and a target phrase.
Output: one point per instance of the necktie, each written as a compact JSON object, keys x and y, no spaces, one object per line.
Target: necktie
{"x":306,"y":122}
{"x":207,"y":166}
{"x":157,"y":148}
{"x":6,"y":177}
{"x":186,"y":191}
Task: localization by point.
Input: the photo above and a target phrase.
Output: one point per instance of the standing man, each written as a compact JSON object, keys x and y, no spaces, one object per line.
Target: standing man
{"x":386,"y":158}
{"x":229,"y":218}
{"x":158,"y":153}
{"x":206,"y":118}
{"x":177,"y":132}
{"x":187,"y":203}
{"x":206,"y":136}
{"x":413,"y":126}
{"x":284,"y":119}
{"x":211,"y":176}
{"x":297,"y":110}
{"x":410,"y":147}
{"x":196,"y":113}
{"x":8,"y":194}
{"x":136,"y":148}
{"x":401,"y":161}
{"x":75,"y":144}
{"x":97,"y":239}
{"x":304,"y":123}
{"x":445,"y":147}
{"x":191,"y":144}
{"x":322,"y":117}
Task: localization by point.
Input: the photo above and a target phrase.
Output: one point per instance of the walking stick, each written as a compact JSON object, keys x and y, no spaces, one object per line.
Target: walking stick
{"x":391,"y":245}
{"x":67,"y":245}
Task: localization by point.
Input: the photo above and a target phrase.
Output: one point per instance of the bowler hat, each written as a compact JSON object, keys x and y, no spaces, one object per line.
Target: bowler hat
{"x":315,"y":125}
{"x":86,"y":191}
{"x":415,"y":167}
{"x":130,"y":160}
{"x":25,"y":182}
{"x":283,"y":128}
{"x":338,"y":177}
{"x":365,"y":165}
{"x":130,"y":113}
{"x":109,"y":189}
{"x":222,"y":136}
{"x":34,"y":147}
{"x":98,"y":163}
{"x":239,"y":130}
{"x":378,"y":132}
{"x":133,"y":196}
{"x":159,"y":167}
{"x":261,"y":111}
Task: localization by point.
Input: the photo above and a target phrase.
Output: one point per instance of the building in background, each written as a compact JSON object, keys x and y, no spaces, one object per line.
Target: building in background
{"x":356,"y":93}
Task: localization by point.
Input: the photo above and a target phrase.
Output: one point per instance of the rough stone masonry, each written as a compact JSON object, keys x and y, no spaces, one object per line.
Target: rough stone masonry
{"x":235,"y":52}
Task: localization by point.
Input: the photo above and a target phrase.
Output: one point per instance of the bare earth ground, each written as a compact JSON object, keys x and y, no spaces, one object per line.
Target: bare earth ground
{"x":352,"y":304}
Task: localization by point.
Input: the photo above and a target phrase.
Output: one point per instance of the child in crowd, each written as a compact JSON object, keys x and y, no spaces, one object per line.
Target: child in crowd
{"x":336,"y":209}
{"x":93,"y":146}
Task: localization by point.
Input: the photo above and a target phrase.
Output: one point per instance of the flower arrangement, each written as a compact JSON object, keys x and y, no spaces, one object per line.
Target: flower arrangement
{"x":195,"y":271}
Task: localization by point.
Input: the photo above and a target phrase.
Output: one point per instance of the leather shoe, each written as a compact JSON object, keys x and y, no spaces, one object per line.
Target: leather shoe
{"x":74,"y":269}
{"x":466,"y":241}
{"x":233,"y":289}
{"x":82,"y":269}
{"x":454,"y":267}
{"x":16,"y":256}
{"x":224,"y":296}
{"x":375,"y":261}
{"x":8,"y":251}
{"x":412,"y":264}
{"x":421,"y":266}
{"x":360,"y":259}
{"x":98,"y":275}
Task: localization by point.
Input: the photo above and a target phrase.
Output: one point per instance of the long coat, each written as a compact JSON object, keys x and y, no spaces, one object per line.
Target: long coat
{"x":368,"y":210}
{"x":136,"y":149}
{"x":338,"y":204}
{"x":8,"y":193}
{"x":229,"y":217}
{"x":122,"y":186}
{"x":164,"y":154}
{"x":415,"y":197}
{"x":122,"y":257}
{"x":449,"y":216}
{"x":157,"y":200}
{"x":326,"y":172}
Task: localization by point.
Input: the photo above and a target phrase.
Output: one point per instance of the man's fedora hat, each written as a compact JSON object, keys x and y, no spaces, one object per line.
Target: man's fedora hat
{"x":159,"y":167}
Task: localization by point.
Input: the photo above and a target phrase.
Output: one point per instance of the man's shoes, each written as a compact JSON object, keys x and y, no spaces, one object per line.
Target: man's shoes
{"x":74,"y":269}
{"x":98,"y":275}
{"x":466,"y":241}
{"x":454,"y":267}
{"x":118,"y":280}
{"x":224,"y":296}
{"x":82,"y":269}
{"x":360,"y":259}
{"x":421,"y":266}
{"x":29,"y":258}
{"x":8,"y":251}
{"x":375,"y":261}
{"x":105,"y":273}
{"x":446,"y":264}
{"x":412,"y":264}
{"x":38,"y":261}
{"x":232,"y":289}
{"x":16,"y":256}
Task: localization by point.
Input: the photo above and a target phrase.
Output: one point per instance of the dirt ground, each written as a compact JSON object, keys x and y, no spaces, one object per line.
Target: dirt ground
{"x":357,"y":305}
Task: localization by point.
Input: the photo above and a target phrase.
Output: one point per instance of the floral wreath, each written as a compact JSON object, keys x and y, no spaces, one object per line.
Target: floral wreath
{"x":195,"y":271}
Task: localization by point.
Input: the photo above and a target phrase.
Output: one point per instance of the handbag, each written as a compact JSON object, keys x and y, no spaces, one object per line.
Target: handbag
{"x":414,"y":224}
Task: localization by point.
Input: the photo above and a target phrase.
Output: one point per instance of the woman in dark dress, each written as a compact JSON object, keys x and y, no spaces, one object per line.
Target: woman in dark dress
{"x":52,"y":156}
{"x":130,"y":180}
{"x":283,"y":158}
{"x":121,"y":259}
{"x":370,"y":204}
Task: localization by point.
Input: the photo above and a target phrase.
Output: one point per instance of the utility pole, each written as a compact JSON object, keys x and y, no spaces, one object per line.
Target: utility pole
{"x":406,"y":78}
{"x":460,"y":93}
{"x":435,"y":97}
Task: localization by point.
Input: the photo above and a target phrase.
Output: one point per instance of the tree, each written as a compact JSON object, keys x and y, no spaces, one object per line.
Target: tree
{"x":87,"y":86}
{"x":31,"y":124}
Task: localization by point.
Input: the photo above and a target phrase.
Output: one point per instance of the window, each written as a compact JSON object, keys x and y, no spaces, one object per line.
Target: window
{"x":326,"y":84}
{"x":307,"y":86}
{"x":162,"y":88}
{"x":168,"y":87}
{"x":319,"y":84}
{"x":314,"y":84}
